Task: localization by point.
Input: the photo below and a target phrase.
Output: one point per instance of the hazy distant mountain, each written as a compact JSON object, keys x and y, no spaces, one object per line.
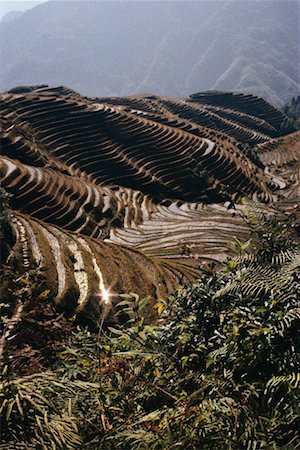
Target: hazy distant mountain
{"x":11,"y":15}
{"x":171,"y":48}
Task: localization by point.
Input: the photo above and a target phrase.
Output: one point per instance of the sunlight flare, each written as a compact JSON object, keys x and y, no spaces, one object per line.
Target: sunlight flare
{"x":105,"y":294}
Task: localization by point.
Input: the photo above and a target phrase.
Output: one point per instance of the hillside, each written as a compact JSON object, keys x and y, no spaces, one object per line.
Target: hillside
{"x":141,"y":193}
{"x":149,"y":272}
{"x":12,"y":15}
{"x":170,"y":48}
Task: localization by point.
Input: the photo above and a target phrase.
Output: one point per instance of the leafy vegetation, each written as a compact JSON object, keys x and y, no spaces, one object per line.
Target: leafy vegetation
{"x":219,"y":369}
{"x":6,"y":235}
{"x":37,"y":412}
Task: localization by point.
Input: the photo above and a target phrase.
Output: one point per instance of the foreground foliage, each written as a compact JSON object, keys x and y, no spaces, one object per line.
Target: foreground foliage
{"x":219,"y":369}
{"x":37,"y":412}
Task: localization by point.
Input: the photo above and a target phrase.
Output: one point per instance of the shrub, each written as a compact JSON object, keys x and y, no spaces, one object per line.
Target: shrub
{"x":219,"y":369}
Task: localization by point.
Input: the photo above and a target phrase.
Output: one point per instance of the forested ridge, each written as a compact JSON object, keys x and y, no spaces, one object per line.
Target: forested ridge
{"x":114,"y":48}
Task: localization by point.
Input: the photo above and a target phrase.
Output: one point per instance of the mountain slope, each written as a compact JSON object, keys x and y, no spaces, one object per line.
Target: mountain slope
{"x":137,"y":193}
{"x":171,"y":48}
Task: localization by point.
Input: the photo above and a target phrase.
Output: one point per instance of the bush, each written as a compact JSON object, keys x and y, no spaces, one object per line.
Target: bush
{"x":219,"y":370}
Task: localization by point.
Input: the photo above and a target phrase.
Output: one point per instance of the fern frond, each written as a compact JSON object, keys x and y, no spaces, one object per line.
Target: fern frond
{"x":40,"y":403}
{"x":288,"y":319}
{"x":263,"y":277}
{"x":292,"y":380}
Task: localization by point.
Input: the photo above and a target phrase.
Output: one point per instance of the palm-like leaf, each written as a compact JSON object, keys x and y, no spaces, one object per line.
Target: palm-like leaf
{"x":42,"y":406}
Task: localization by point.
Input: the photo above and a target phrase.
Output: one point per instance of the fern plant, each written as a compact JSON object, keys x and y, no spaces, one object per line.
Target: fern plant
{"x":216,"y":371}
{"x":37,"y":412}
